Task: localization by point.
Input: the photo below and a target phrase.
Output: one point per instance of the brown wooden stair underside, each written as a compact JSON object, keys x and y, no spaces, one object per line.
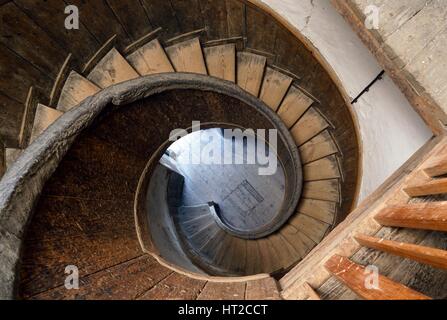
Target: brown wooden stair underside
{"x":319,"y":151}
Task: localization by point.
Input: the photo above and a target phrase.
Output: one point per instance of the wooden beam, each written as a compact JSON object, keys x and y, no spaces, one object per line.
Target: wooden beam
{"x":431,"y":256}
{"x":311,"y":292}
{"x":434,"y":187}
{"x":426,"y":216}
{"x":437,"y":169}
{"x":355,"y":277}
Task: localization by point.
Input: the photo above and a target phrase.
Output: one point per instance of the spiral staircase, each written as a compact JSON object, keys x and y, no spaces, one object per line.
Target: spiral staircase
{"x":80,"y":161}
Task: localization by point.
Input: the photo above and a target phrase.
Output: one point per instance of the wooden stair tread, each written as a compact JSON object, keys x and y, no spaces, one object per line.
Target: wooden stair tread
{"x":44,"y":117}
{"x":425,"y":216}
{"x":308,"y":126}
{"x":313,"y":228}
{"x":187,"y":56}
{"x":11,"y":155}
{"x":221,"y":61}
{"x":429,"y":188}
{"x":112,"y":69}
{"x":193,"y":227}
{"x":211,"y":249}
{"x":201,"y":238}
{"x":312,"y":295}
{"x":150,"y":59}
{"x":269,"y":257}
{"x":294,"y":237}
{"x":274,"y":88}
{"x":320,"y":146}
{"x":250,"y":71}
{"x":76,"y":89}
{"x":430,"y":256}
{"x":323,"y":169}
{"x":238,"y":255}
{"x":328,"y":190}
{"x":262,"y":289}
{"x":287,"y":254}
{"x":253,"y":262}
{"x":295,"y":104}
{"x":354,"y":277}
{"x":324,"y":211}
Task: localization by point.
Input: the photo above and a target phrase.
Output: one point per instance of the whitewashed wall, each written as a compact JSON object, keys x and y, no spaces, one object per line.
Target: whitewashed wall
{"x":390,"y":129}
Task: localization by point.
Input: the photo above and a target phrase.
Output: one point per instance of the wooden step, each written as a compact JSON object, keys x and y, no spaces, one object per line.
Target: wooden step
{"x":323,"y":169}
{"x":295,"y":104}
{"x":328,"y":190}
{"x":238,"y":256}
{"x":192,"y":227}
{"x":321,"y":146}
{"x":269,"y":257}
{"x":324,"y":211}
{"x":297,"y":239}
{"x":287,"y":254}
{"x":150,"y":59}
{"x":202,"y":238}
{"x":274,"y":88}
{"x":355,"y":276}
{"x":425,"y":216}
{"x":313,"y":228}
{"x":76,"y":89}
{"x":44,"y":117}
{"x":310,"y":124}
{"x":112,"y":69}
{"x":430,"y":188}
{"x":250,"y":72}
{"x":211,"y":250}
{"x":187,"y":56}
{"x":439,"y":169}
{"x":253,"y":262}
{"x":187,"y":214}
{"x":221,"y":61}
{"x":11,"y":155}
{"x":430,"y":256}
{"x":223,"y":250}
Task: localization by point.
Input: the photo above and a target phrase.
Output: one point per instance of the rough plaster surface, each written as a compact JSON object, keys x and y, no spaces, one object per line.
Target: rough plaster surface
{"x":391,"y":131}
{"x":389,"y":128}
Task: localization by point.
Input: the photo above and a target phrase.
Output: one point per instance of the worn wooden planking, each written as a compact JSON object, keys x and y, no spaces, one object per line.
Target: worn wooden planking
{"x":355,"y":277}
{"x":431,"y":256}
{"x":2,"y":159}
{"x":429,"y":188}
{"x":18,"y":75}
{"x":132,"y":17}
{"x":327,"y":190}
{"x":221,"y":61}
{"x":125,"y":281}
{"x":44,"y":117}
{"x":295,"y":237}
{"x":308,"y":126}
{"x":286,"y":253}
{"x":437,"y":168}
{"x":100,"y":20}
{"x":269,"y":258}
{"x":189,"y":14}
{"x":215,"y":18}
{"x":112,"y":69}
{"x":262,"y":289}
{"x":323,"y":169}
{"x":150,"y":59}
{"x":250,"y":72}
{"x":274,"y":88}
{"x":321,"y":210}
{"x":320,"y":146}
{"x":187,"y":56}
{"x":76,"y":89}
{"x":175,"y":287}
{"x":161,"y":14}
{"x":27,"y":39}
{"x":425,"y":216}
{"x":312,"y":295}
{"x":258,"y":20}
{"x":11,"y":115}
{"x":253,"y":264}
{"x":49,"y":15}
{"x":238,"y":256}
{"x":223,"y":291}
{"x":295,"y":104}
{"x":235,"y":18}
{"x":313,"y":228}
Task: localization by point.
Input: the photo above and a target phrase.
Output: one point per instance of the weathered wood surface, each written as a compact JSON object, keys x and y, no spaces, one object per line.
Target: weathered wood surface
{"x":308,"y":126}
{"x":425,"y":216}
{"x":187,"y":56}
{"x":355,"y":277}
{"x":428,"y":188}
{"x":274,"y":88}
{"x":76,"y":89}
{"x":250,"y":72}
{"x":295,"y":104}
{"x":44,"y":117}
{"x":150,"y":59}
{"x":221,"y":61}
{"x":430,"y":256}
